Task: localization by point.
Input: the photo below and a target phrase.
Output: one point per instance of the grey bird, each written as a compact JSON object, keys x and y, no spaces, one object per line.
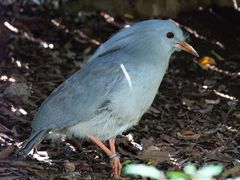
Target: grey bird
{"x":113,"y":90}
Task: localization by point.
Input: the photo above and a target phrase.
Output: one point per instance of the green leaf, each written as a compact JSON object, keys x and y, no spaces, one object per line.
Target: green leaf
{"x":190,"y":169}
{"x":208,"y":171}
{"x":143,"y":170}
{"x":176,"y":175}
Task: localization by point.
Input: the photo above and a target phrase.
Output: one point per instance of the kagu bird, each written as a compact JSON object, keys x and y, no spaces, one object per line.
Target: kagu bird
{"x":113,"y":90}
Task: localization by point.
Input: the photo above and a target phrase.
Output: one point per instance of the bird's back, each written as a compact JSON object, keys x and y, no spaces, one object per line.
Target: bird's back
{"x":78,"y":97}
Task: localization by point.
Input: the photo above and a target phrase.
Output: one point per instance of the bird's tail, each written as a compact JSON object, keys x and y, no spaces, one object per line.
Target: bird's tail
{"x":31,"y":142}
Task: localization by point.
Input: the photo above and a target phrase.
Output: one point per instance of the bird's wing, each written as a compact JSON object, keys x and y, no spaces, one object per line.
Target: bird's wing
{"x":81,"y":95}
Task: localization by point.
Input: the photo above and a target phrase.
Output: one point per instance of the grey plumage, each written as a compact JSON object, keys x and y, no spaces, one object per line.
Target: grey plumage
{"x":113,"y":90}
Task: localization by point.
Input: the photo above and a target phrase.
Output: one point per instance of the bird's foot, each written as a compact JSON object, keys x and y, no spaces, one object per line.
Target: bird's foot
{"x":116,"y":168}
{"x":113,"y":155}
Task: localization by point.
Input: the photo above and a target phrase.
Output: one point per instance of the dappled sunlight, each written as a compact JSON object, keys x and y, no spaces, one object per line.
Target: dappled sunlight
{"x":11,"y":27}
{"x":174,"y":161}
{"x":41,"y":156}
{"x":59,"y":25}
{"x":222,"y":95}
{"x":19,"y":63}
{"x":22,"y":111}
{"x":110,"y":19}
{"x":231,"y":129}
{"x":225,"y":72}
{"x":5,"y":78}
{"x":131,"y":140}
{"x":18,"y":110}
{"x":56,"y":23}
{"x":209,"y":63}
{"x":11,"y":79}
{"x":46,"y":45}
{"x":197,"y":35}
{"x":84,"y":36}
{"x":39,"y":41}
{"x":225,"y":95}
{"x":28,"y":36}
{"x":71,"y":147}
{"x":235,"y":5}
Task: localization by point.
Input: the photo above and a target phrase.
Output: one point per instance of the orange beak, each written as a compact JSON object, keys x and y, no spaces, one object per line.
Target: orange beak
{"x":186,"y":47}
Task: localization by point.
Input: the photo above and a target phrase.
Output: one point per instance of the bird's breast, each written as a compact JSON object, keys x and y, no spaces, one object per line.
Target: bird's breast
{"x":137,"y":92}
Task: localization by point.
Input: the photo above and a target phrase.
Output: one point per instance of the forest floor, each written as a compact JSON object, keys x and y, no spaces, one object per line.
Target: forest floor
{"x":195,"y":117}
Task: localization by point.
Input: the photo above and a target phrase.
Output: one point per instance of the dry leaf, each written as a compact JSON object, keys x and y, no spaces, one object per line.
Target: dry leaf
{"x":233,"y":172}
{"x":154,"y":153}
{"x":205,"y":62}
{"x":212,"y":101}
{"x":188,"y":134}
{"x":18,"y":89}
{"x":147,"y":142}
{"x":5,"y":152}
{"x":42,"y":173}
{"x":69,"y":166}
{"x":154,"y":110}
{"x":187,"y":102}
{"x":237,"y":114}
{"x":3,"y":129}
{"x":169,"y":139}
{"x":82,"y":166}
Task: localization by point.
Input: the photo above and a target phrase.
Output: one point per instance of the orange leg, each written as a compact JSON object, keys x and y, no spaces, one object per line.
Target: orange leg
{"x":117,"y":167}
{"x":101,"y":145}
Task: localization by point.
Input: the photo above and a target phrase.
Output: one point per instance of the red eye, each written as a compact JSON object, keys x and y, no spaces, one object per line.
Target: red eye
{"x":170,"y":35}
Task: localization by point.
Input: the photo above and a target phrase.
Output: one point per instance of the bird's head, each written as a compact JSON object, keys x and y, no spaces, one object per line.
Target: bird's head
{"x":158,"y":38}
{"x":164,"y":34}
{"x":177,"y":39}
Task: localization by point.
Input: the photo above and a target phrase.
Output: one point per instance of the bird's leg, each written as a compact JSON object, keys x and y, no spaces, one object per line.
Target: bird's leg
{"x":117,"y":167}
{"x":101,"y":145}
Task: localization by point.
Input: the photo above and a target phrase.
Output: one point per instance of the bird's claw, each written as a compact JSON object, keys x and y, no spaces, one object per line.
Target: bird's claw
{"x":116,"y":168}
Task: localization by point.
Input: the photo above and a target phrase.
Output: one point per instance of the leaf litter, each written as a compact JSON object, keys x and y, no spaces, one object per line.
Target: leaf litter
{"x":194,"y":118}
